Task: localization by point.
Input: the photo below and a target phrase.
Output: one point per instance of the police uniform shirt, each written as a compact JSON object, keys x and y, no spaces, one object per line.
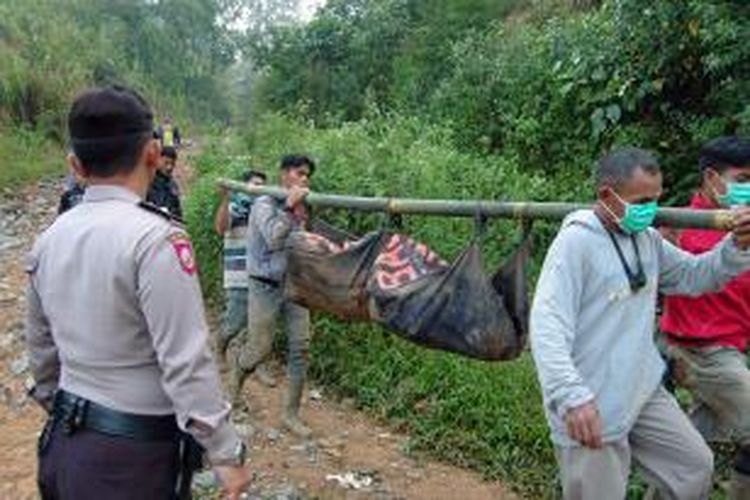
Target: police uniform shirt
{"x":116,"y":316}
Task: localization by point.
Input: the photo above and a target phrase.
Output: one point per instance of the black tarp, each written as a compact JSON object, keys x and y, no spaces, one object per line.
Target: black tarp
{"x":403,"y":285}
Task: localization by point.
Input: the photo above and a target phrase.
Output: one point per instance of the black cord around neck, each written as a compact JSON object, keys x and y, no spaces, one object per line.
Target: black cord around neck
{"x":636,"y":280}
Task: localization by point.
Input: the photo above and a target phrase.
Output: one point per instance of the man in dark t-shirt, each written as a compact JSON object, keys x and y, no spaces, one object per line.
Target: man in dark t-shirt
{"x":164,"y":191}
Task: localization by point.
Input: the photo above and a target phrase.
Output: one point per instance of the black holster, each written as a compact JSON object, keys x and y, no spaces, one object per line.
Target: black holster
{"x":44,"y":438}
{"x":190,"y":460}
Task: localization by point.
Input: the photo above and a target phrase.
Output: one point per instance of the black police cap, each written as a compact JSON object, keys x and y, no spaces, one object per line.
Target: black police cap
{"x":109,"y":113}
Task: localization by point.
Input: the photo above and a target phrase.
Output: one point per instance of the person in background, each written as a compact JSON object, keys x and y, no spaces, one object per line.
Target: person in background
{"x":116,"y":332}
{"x":231,"y":222}
{"x":592,"y":337}
{"x":169,"y":134}
{"x":74,"y":188}
{"x":271,"y":222}
{"x":707,"y":336}
{"x":164,"y":191}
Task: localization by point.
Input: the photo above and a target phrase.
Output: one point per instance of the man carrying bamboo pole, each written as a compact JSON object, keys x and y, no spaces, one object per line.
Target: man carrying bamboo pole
{"x":592,"y":337}
{"x":269,"y":225}
{"x":708,"y":335}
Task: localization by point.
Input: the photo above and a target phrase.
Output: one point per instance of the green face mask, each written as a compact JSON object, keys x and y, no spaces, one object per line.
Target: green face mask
{"x":638,"y":216}
{"x":738,"y":193}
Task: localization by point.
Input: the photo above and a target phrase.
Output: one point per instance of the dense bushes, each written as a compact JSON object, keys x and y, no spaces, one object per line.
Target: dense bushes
{"x":26,"y":156}
{"x":172,"y":51}
{"x":391,"y":53}
{"x":482,"y":415}
{"x":42,"y":62}
{"x":663,"y":75}
{"x":531,"y":80}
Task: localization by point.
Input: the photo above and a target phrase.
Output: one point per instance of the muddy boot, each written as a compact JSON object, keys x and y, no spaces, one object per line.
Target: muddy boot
{"x":264,"y":376}
{"x":237,"y":376}
{"x":290,"y":418}
{"x":739,"y":487}
{"x":236,"y":380}
{"x":222,"y":344}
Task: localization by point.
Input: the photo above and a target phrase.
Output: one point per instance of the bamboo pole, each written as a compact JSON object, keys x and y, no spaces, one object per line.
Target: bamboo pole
{"x":671,"y":217}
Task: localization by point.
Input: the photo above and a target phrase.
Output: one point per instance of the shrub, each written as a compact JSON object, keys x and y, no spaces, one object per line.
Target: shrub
{"x":541,"y":81}
{"x":26,"y":156}
{"x":662,"y":75}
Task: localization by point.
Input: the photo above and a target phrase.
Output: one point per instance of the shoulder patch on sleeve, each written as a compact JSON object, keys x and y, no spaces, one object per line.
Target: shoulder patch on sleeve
{"x":184,"y":250}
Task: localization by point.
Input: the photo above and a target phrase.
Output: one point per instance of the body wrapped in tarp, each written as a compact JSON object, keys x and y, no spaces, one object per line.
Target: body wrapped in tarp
{"x":403,"y":285}
{"x":327,"y":276}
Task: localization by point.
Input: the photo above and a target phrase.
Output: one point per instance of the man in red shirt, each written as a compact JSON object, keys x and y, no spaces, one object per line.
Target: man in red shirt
{"x":708,"y":335}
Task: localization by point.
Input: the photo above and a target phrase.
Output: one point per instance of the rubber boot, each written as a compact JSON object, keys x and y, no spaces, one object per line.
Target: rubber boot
{"x":290,"y":418}
{"x":739,"y":487}
{"x":222,"y":344}
{"x":264,"y":375}
{"x":237,"y":376}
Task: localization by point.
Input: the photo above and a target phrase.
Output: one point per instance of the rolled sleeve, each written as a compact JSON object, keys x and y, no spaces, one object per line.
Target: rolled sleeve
{"x":171,"y":300}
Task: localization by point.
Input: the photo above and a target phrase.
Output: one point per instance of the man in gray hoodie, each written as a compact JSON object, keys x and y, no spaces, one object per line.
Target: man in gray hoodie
{"x":592,"y":324}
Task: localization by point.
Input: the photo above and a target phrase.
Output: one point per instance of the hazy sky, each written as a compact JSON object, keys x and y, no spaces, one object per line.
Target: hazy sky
{"x":308,"y":8}
{"x":305,"y":12}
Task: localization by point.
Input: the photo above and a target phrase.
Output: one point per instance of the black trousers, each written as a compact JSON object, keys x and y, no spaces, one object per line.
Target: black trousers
{"x":88,"y":465}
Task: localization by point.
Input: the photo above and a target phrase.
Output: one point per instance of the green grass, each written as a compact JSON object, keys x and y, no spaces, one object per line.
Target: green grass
{"x":485,"y":416}
{"x":27,"y":156}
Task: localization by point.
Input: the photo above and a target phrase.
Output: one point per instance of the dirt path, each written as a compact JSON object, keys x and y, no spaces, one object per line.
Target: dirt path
{"x":21,"y":216}
{"x":350,"y":457}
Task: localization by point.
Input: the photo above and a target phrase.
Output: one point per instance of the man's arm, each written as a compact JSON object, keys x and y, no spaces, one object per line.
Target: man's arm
{"x":43,"y":355}
{"x":274,"y":225}
{"x":221,"y":220}
{"x":171,"y":301}
{"x":683,"y":273}
{"x":554,"y":317}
